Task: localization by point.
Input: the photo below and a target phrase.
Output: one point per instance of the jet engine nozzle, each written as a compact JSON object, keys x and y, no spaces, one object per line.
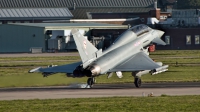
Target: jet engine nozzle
{"x":95,"y":70}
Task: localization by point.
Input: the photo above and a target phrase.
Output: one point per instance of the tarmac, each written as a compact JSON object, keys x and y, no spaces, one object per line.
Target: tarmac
{"x":100,"y":90}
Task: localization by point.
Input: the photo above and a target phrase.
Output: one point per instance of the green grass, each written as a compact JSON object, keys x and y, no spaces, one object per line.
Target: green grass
{"x":176,"y":53}
{"x":34,"y":64}
{"x":19,"y":77}
{"x":14,"y":71}
{"x":163,"y":103}
{"x":36,"y":61}
{"x":39,"y":58}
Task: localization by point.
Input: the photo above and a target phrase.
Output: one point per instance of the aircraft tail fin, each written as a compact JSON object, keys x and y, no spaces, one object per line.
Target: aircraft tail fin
{"x":86,"y":50}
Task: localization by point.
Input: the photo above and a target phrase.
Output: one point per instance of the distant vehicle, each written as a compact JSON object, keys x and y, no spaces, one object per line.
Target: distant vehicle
{"x":128,"y":53}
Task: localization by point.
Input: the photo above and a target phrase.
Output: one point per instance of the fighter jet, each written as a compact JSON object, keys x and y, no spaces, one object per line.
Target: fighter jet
{"x":128,"y":53}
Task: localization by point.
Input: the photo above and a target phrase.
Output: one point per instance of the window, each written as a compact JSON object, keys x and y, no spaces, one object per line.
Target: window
{"x":196,"y":37}
{"x":1,"y":22}
{"x":26,"y":22}
{"x":188,"y":40}
{"x":17,"y":22}
{"x":167,"y":40}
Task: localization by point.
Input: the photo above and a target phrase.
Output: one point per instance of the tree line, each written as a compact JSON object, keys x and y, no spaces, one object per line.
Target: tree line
{"x":188,"y":4}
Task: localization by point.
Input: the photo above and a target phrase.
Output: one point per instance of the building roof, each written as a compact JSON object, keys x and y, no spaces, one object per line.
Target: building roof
{"x":76,"y":3}
{"x":35,"y":12}
{"x":70,"y":25}
{"x":82,"y":13}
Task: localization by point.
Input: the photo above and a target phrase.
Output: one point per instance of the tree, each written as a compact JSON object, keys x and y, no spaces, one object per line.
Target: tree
{"x":188,"y":4}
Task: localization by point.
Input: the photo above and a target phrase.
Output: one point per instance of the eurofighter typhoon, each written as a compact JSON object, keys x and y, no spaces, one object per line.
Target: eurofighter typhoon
{"x":128,"y":53}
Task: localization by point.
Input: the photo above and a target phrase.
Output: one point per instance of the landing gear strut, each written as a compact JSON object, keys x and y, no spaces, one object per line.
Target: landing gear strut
{"x":137,"y":82}
{"x":91,"y":81}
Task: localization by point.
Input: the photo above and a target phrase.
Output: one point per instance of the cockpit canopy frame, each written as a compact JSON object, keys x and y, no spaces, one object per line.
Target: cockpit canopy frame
{"x":140,"y":29}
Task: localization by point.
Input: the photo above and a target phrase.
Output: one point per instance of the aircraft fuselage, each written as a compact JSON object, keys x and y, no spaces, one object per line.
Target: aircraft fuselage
{"x":122,"y":50}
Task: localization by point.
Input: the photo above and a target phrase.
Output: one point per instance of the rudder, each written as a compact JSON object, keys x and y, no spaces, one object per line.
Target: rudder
{"x":85,"y":48}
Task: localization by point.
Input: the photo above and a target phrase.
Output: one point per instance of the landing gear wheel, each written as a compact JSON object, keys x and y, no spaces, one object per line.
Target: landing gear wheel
{"x":138,"y":82}
{"x":91,"y":81}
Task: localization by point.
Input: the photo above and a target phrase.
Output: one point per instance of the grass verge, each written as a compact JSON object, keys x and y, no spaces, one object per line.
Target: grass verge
{"x":112,"y":104}
{"x":19,"y":77}
{"x":14,"y":70}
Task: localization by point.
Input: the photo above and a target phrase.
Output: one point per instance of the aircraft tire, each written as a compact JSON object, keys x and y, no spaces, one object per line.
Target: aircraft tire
{"x":90,"y":81}
{"x":137,"y":82}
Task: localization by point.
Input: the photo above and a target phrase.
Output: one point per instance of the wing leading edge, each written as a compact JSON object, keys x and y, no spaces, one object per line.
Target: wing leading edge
{"x":69,"y":68}
{"x":138,"y":62}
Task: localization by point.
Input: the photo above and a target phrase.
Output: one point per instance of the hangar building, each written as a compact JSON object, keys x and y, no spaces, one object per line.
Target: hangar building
{"x":29,"y":37}
{"x":33,"y":15}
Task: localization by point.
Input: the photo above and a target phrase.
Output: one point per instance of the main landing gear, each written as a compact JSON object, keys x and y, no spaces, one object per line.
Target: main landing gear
{"x":137,"y":82}
{"x":91,"y":81}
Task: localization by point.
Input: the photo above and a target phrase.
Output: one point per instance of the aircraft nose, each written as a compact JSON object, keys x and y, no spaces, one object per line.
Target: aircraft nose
{"x":160,"y":33}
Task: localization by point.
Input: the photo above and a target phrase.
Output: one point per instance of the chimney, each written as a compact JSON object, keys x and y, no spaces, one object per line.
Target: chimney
{"x":155,"y":4}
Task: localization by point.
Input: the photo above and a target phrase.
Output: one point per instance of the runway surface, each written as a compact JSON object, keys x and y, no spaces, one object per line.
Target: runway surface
{"x":100,"y":90}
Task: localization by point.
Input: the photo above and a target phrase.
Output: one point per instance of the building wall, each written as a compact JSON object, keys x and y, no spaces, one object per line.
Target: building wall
{"x":178,"y":39}
{"x":155,"y":13}
{"x":164,"y":16}
{"x":106,"y":32}
{"x":186,"y":18}
{"x":109,"y":35}
{"x":16,"y":38}
{"x":115,"y":15}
